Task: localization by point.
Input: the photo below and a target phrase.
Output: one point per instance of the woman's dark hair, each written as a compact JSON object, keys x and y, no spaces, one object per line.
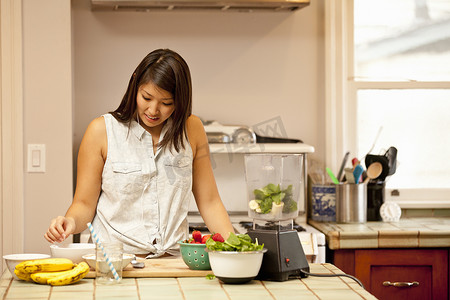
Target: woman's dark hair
{"x":169,"y":71}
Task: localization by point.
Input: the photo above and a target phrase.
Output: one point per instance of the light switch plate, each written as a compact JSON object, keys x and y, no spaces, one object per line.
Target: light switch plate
{"x":36,"y":158}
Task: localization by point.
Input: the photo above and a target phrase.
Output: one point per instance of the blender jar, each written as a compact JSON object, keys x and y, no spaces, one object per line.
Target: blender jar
{"x":273,"y":185}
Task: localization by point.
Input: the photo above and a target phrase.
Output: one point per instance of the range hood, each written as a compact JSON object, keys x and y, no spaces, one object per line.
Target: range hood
{"x":183,"y":5}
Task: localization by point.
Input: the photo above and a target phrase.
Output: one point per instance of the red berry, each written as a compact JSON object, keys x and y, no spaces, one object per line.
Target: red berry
{"x":197,"y":236}
{"x":218,"y":237}
{"x":205,"y":238}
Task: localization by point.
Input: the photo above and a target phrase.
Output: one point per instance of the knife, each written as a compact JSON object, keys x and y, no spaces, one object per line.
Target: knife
{"x":341,"y":169}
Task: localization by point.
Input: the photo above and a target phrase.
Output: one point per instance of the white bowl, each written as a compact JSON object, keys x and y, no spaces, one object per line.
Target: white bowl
{"x":234,"y":266}
{"x":74,"y":251}
{"x":90,"y":259}
{"x":13,"y":259}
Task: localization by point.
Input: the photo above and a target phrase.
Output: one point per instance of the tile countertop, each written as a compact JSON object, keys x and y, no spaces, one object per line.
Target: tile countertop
{"x":407,"y":233}
{"x":192,"y":288}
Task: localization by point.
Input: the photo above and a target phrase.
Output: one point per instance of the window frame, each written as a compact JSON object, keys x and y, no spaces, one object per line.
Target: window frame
{"x":341,"y":99}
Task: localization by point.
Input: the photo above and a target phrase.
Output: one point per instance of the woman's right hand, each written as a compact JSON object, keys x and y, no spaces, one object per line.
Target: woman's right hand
{"x":60,"y":228}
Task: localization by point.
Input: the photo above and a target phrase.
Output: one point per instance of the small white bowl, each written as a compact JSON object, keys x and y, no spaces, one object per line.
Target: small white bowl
{"x":90,"y":259}
{"x":12,"y":260}
{"x":74,"y":251}
{"x":236,"y":266}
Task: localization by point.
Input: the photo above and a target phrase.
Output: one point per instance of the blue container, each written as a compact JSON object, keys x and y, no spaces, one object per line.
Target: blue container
{"x":323,"y":203}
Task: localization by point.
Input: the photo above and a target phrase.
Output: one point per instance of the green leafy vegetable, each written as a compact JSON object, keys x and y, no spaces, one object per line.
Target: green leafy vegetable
{"x":240,"y":242}
{"x":210,"y":276}
{"x":273,"y":194}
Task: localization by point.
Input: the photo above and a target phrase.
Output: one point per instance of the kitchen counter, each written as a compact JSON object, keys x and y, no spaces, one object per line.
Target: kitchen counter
{"x":407,"y":233}
{"x":187,"y":288}
{"x":413,"y":252}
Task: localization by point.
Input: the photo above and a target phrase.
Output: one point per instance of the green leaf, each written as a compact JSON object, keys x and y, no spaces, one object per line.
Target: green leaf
{"x":233,"y":240}
{"x":259,"y":194}
{"x":266,"y":205}
{"x":241,"y":242}
{"x":288,"y":190}
{"x":273,"y":188}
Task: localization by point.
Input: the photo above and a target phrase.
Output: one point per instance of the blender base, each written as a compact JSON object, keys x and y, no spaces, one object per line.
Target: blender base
{"x":284,"y":258}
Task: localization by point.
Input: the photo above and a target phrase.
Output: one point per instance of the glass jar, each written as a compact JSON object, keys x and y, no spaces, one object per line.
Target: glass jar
{"x":273,"y":185}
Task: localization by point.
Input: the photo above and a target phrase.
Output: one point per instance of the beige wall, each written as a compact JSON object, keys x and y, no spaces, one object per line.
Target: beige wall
{"x":47,"y":114}
{"x":246,"y":67}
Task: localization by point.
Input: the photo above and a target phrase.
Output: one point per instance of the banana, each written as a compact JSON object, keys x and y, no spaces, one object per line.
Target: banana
{"x":23,"y":276}
{"x":71,"y":276}
{"x":43,"y":277}
{"x":45,"y":265}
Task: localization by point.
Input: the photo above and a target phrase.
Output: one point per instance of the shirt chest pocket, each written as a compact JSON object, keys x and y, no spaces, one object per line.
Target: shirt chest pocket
{"x":178,"y":171}
{"x":128,"y":177}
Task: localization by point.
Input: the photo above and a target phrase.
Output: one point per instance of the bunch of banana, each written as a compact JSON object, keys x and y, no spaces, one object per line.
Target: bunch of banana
{"x":53,"y":271}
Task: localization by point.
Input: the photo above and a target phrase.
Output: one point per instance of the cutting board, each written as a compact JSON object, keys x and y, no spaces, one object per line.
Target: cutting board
{"x":160,"y":267}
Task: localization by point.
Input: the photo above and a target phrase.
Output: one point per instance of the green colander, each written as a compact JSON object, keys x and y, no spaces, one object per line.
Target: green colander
{"x":195,"y":256}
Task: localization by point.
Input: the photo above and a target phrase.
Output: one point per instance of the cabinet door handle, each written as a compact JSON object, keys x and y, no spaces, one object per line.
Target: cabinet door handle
{"x":401,"y":284}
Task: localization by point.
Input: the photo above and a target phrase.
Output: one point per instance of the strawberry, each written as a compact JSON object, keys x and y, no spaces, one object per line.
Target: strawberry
{"x":205,"y":238}
{"x":218,"y":237}
{"x":197,"y":236}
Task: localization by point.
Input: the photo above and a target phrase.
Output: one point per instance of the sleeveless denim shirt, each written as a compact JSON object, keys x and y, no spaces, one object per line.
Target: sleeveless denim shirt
{"x":144,"y":197}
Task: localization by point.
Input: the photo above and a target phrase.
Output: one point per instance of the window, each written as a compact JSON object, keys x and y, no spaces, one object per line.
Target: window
{"x":395,"y":75}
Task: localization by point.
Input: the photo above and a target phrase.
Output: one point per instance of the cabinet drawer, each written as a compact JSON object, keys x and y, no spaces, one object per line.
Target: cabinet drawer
{"x":401,"y":282}
{"x":427,"y":267}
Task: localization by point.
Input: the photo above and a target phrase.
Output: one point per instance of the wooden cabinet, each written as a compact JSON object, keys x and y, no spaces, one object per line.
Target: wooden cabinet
{"x":398,"y":273}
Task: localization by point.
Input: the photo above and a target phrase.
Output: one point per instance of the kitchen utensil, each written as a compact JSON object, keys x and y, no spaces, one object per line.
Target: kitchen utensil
{"x":269,"y":139}
{"x":236,"y":266}
{"x":218,"y":133}
{"x":173,"y":266}
{"x":370,"y":158}
{"x":351,"y":203}
{"x":391,"y":155}
{"x":12,"y":260}
{"x":373,"y":171}
{"x":218,"y":138}
{"x":73,"y":251}
{"x":341,"y":169}
{"x":357,"y":172}
{"x":273,"y":184}
{"x":375,"y":198}
{"x":99,"y":244}
{"x":323,"y":202}
{"x":90,"y":259}
{"x":349,"y":175}
{"x":195,"y":256}
{"x":108,"y":262}
{"x":137,"y":264}
{"x":376,"y":138}
{"x":390,"y":212}
{"x":333,"y":178}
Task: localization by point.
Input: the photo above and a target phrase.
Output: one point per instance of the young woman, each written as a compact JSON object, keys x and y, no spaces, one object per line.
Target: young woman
{"x":140,"y":166}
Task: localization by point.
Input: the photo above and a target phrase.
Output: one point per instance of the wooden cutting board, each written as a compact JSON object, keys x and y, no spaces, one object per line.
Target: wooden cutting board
{"x":160,"y":267}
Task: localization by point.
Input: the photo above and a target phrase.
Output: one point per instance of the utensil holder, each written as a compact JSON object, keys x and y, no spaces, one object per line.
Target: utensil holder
{"x":351,"y":203}
{"x":323,"y":199}
{"x":375,"y":198}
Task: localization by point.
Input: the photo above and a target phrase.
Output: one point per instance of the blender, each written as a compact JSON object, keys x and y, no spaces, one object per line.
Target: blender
{"x":273,"y":190}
